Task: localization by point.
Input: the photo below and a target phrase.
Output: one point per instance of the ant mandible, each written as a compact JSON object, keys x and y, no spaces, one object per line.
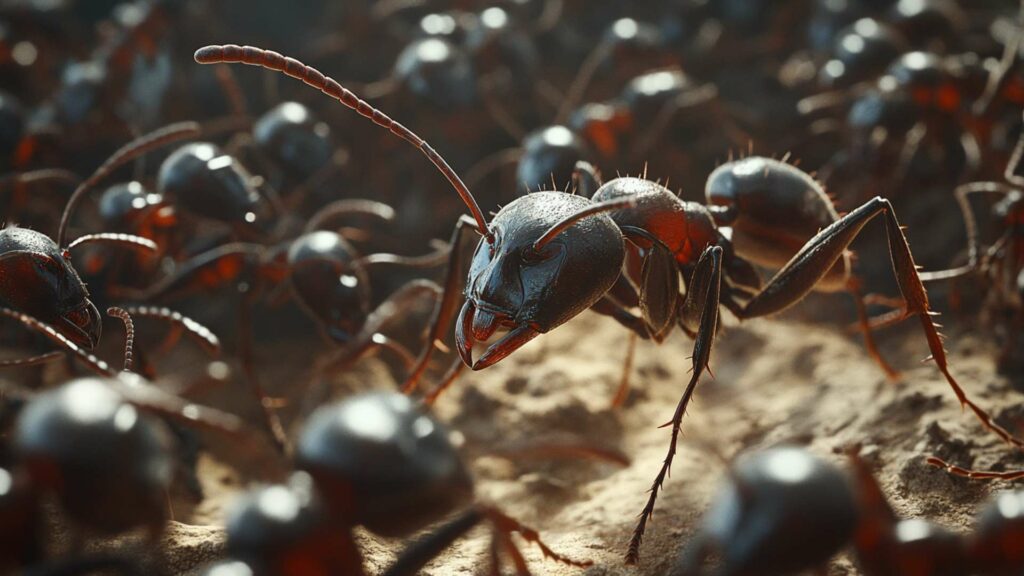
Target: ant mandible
{"x":548,"y":256}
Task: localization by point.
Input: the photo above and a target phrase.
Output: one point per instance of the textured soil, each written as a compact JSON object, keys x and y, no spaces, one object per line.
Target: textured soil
{"x":776,"y":381}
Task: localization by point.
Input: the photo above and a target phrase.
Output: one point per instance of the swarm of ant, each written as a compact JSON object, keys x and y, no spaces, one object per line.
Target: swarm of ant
{"x":325,"y":354}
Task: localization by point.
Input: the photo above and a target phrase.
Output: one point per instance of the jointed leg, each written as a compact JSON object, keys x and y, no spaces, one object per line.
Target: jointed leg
{"x":963,"y":195}
{"x":817,"y":257}
{"x":627,"y":368}
{"x":710,"y":266}
{"x":245,"y":354}
{"x":869,"y":339}
{"x":507,"y":524}
{"x":446,"y":308}
{"x":417,"y":554}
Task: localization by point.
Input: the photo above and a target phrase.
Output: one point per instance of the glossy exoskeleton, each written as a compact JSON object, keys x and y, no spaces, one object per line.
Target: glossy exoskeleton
{"x":285,"y":529}
{"x":784,"y":510}
{"x":548,"y":256}
{"x":200,"y":179}
{"x":109,"y":464}
{"x":376,"y":460}
{"x":36,"y":275}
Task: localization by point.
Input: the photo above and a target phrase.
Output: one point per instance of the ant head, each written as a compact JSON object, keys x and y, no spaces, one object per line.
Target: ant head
{"x":783,"y":511}
{"x":109,"y":464}
{"x":200,"y":178}
{"x":293,"y":138}
{"x":40,"y":281}
{"x":553,"y":256}
{"x":380,"y":461}
{"x":549,"y":156}
{"x":328,"y":283}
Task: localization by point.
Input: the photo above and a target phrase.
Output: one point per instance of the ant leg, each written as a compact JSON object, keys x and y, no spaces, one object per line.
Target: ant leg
{"x":32,"y":360}
{"x":974,"y":474}
{"x":705,"y":289}
{"x":817,"y":257}
{"x":454,"y":370}
{"x":505,"y":540}
{"x":963,"y":194}
{"x":206,"y":271}
{"x":245,"y":354}
{"x":606,"y":306}
{"x":659,"y":283}
{"x":233,"y":92}
{"x":447,"y":306}
{"x":506,"y":524}
{"x":349,"y":207}
{"x":430,"y":260}
{"x":416,"y":555}
{"x":853,"y":287}
{"x":627,"y":368}
{"x":586,"y":71}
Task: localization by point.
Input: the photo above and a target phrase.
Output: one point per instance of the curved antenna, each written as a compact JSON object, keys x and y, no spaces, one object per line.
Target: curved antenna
{"x":233,"y":54}
{"x":597,"y":208}
{"x":125,"y":154}
{"x":202,"y":335}
{"x":129,"y":333}
{"x":129,"y":240}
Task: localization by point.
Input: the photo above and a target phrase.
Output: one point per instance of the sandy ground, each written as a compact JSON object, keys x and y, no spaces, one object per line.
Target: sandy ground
{"x":775,"y":381}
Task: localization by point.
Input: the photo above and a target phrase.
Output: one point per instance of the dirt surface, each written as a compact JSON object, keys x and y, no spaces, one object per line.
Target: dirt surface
{"x":776,"y":381}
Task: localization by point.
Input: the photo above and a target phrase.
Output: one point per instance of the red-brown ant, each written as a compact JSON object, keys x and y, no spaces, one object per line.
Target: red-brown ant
{"x":548,"y":256}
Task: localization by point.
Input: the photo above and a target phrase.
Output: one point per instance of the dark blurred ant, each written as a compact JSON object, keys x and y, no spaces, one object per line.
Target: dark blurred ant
{"x":376,"y":460}
{"x":548,"y":256}
{"x":39,"y":279}
{"x":324,"y":273}
{"x":644,"y":125}
{"x":784,"y":511}
{"x":1000,"y":263}
{"x":99,"y":445}
{"x":949,"y":107}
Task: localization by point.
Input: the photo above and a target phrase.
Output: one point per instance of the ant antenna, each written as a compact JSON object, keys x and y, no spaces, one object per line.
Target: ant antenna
{"x":597,"y":208}
{"x":94,"y":363}
{"x":129,"y":333}
{"x":125,"y":154}
{"x":199,"y":333}
{"x":234,"y":54}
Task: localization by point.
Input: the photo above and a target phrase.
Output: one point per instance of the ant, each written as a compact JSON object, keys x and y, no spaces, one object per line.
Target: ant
{"x":999,"y":265}
{"x":548,"y":256}
{"x":784,"y":510}
{"x":376,"y":460}
{"x":36,"y":274}
{"x":101,"y":445}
